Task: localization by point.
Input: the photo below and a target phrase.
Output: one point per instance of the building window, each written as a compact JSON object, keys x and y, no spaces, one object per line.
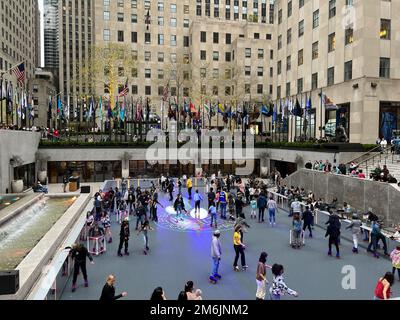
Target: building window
{"x":256,"y":35}
{"x":134,"y":37}
{"x":280,"y":16}
{"x":288,"y":89}
{"x":160,"y":57}
{"x":332,"y":8}
{"x":134,"y":72}
{"x":186,"y":9}
{"x":278,"y":92}
{"x":331,"y":42}
{"x":147,"y":38}
{"x":173,"y":22}
{"x":289,"y":36}
{"x":260,"y":71}
{"x":120,"y":36}
{"x":228,"y":38}
{"x":348,"y":36}
{"x":160,"y":21}
{"x":279,"y":67}
{"x":160,"y":6}
{"x":384,"y":68}
{"x":106,"y":34}
{"x":203,"y":73}
{"x":228,"y":57}
{"x":288,"y":63}
{"x":215,"y":37}
{"x":186,"y":41}
{"x":134,"y":18}
{"x":228,"y":74}
{"x":299,"y":86}
{"x":279,"y":42}
{"x":203,"y":36}
{"x":301,"y":4}
{"x":247,"y":71}
{"x":160,"y":39}
{"x":331,"y":76}
{"x":247,"y":53}
{"x":215,"y":73}
{"x":247,"y":88}
{"x":314,"y":81}
{"x":147,"y":56}
{"x":120,"y":17}
{"x":203,"y":55}
{"x":348,"y":70}
{"x":271,"y":54}
{"x":315,"y":50}
{"x":147,"y":73}
{"x":260,"y":53}
{"x":147,"y":90}
{"x":227,"y":91}
{"x":385,"y":29}
{"x":106,"y":15}
{"x":315,"y":23}
{"x":186,"y":23}
{"x":215,"y":55}
{"x":160,"y":74}
{"x":301,"y":28}
{"x":134,"y":89}
{"x":289,"y":9}
{"x":173,"y":8}
{"x":268,"y":36}
{"x":300,"y":57}
{"x":260,"y":89}
{"x":173,"y":40}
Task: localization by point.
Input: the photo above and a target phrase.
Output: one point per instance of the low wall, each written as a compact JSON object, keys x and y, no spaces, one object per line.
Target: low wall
{"x":360,"y":194}
{"x":32,"y":266}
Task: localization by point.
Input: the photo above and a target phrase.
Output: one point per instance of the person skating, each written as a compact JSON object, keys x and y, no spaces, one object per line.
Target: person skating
{"x":239,"y":249}
{"x":108,"y":292}
{"x":253,"y":205}
{"x":383,"y":287}
{"x":140,"y":214}
{"x":333,"y":231}
{"x":272,"y":210}
{"x":65,"y":183}
{"x":211,"y":197}
{"x":222,"y":200}
{"x":376,"y":235}
{"x":216,"y":256}
{"x":145,"y":228}
{"x":79,"y":253}
{"x":261,"y":277}
{"x":179,"y":206}
{"x":296,"y":231}
{"x":105,"y":220}
{"x":197,"y":204}
{"x":171,"y":190}
{"x":395,"y":257}
{"x":307,"y":218}
{"x":279,"y":287}
{"x":213,"y":213}
{"x":355,"y":228}
{"x":189,"y":185}
{"x":261,"y":204}
{"x":124,"y":237}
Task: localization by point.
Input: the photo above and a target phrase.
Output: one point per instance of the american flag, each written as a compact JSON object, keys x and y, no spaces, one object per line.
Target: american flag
{"x":125,"y":90}
{"x":166,"y":92}
{"x":19,"y":72}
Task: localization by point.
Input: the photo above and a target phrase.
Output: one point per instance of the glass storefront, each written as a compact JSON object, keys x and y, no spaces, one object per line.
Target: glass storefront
{"x":389,"y":119}
{"x":336,"y":118}
{"x":305,"y":128}
{"x":88,"y":171}
{"x":27,"y":174}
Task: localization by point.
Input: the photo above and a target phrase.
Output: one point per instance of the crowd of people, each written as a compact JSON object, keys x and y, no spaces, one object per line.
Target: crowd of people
{"x":226,"y":199}
{"x":380,"y":173}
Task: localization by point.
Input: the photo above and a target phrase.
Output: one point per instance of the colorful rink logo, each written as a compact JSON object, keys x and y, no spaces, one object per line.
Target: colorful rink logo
{"x":167,"y":219}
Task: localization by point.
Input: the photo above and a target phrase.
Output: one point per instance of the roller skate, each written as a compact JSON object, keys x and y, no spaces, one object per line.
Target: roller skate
{"x":213,"y":280}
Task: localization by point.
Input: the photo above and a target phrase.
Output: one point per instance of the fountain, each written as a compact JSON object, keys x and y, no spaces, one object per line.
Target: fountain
{"x":20,"y":235}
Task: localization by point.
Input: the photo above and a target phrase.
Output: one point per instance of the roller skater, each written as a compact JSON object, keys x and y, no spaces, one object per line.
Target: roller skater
{"x":216,"y":257}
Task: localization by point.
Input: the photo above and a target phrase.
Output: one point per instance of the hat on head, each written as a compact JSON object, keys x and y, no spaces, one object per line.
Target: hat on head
{"x":217,"y":233}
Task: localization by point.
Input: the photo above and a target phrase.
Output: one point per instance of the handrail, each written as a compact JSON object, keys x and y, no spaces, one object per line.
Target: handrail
{"x":364,"y":154}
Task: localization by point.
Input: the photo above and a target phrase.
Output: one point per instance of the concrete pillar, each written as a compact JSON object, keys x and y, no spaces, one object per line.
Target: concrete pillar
{"x":125,"y":169}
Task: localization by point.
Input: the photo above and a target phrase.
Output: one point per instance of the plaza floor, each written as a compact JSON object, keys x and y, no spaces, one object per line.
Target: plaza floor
{"x":181,"y":254}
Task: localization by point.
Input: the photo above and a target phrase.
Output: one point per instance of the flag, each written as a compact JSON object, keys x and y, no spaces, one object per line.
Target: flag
{"x":139,"y":114}
{"x":59,"y":106}
{"x":101,"y":108}
{"x":193,"y":109}
{"x":125,"y":90}
{"x":67,"y":108}
{"x":221,"y":108}
{"x":329,"y":104}
{"x":31,"y":107}
{"x":166,"y":92}
{"x":297,"y":111}
{"x":122,"y":111}
{"x":308,"y":108}
{"x":265,"y":111}
{"x":19,"y":72}
{"x":274,"y":114}
{"x":90,"y":113}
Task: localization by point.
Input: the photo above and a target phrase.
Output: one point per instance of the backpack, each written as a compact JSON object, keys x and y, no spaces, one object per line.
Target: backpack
{"x":222,"y":197}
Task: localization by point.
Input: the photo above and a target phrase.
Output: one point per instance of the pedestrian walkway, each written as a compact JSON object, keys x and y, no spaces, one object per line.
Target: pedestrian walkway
{"x":176,"y":257}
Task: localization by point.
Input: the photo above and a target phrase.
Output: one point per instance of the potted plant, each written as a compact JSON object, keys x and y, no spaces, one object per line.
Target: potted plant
{"x":17,"y":186}
{"x":41,"y":160}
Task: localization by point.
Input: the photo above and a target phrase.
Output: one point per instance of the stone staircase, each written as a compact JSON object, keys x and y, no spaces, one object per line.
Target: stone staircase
{"x":373,"y":159}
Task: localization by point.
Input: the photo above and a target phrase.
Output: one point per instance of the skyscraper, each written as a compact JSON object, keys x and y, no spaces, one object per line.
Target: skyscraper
{"x":51,"y":38}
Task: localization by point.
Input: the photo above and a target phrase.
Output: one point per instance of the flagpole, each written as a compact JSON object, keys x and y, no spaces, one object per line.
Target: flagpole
{"x":320,"y":128}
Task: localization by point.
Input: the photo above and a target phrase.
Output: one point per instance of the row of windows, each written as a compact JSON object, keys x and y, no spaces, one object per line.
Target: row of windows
{"x":228,"y":90}
{"x":384,"y":72}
